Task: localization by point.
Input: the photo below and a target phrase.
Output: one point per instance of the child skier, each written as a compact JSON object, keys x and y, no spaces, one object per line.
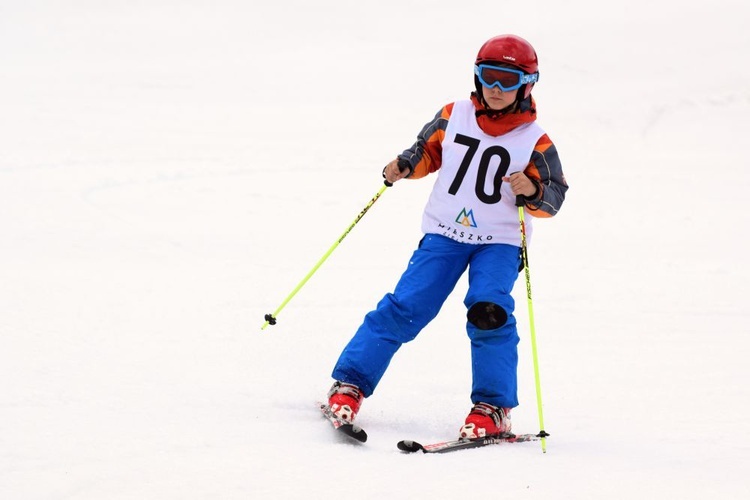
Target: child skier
{"x":487,"y":150}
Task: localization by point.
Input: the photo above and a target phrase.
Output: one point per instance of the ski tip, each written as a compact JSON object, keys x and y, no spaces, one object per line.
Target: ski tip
{"x":355,"y":432}
{"x":409,"y":446}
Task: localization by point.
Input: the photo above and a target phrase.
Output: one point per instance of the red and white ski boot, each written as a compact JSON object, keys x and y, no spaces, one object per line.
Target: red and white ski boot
{"x":344,"y":400}
{"x":486,"y":420}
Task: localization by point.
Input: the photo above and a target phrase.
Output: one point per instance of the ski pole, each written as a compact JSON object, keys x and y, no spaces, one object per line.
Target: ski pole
{"x":525,"y":257}
{"x":271,"y":318}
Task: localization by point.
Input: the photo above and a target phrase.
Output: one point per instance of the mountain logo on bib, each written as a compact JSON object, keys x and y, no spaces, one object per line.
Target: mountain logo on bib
{"x":466,"y":218}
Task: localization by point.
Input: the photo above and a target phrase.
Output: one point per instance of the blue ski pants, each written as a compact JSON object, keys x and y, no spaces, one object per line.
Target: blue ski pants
{"x":432,"y":273}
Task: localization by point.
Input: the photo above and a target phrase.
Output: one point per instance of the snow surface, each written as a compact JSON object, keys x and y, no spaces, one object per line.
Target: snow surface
{"x":170,"y":170}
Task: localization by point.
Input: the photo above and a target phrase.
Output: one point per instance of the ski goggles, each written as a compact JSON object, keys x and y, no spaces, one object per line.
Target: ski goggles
{"x":505,"y":79}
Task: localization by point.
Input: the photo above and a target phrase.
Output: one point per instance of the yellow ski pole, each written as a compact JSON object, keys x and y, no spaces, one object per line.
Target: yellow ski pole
{"x":524,"y":255}
{"x":271,"y":318}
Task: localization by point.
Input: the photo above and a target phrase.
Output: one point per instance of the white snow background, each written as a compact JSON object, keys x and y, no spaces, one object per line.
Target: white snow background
{"x":170,"y":170}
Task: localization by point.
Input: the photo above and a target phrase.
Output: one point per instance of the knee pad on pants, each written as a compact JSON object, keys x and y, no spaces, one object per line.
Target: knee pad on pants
{"x":487,"y":315}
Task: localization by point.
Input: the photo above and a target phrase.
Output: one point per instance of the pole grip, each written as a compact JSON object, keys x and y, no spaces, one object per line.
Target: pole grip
{"x":402,"y":165}
{"x":520,"y":201}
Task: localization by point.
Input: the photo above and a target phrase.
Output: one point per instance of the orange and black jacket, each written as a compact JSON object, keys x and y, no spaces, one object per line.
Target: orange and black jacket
{"x":544,"y":168}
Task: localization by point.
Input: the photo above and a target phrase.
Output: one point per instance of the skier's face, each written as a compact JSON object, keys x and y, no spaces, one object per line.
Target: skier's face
{"x":497,"y":99}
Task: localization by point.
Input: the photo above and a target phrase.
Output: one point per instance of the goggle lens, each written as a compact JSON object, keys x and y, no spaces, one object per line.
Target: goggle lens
{"x":505,"y":79}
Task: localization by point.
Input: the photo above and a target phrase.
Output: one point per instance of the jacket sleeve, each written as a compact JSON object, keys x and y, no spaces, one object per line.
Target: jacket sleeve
{"x":426,"y":155}
{"x":545,"y":170}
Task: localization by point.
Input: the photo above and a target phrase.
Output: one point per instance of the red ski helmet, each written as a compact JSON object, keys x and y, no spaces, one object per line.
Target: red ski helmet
{"x":510,"y":50}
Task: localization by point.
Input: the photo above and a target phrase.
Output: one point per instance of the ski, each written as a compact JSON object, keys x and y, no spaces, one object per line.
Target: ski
{"x":409,"y":446}
{"x":343,"y":426}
